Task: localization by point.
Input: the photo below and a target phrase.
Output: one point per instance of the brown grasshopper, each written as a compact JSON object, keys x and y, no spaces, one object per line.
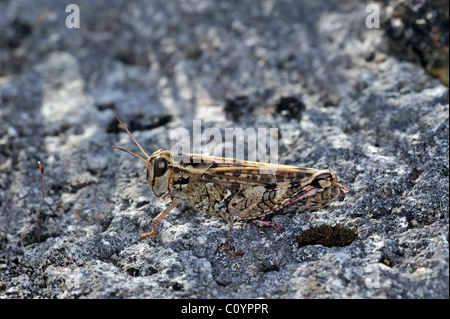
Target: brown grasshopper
{"x":236,"y":189}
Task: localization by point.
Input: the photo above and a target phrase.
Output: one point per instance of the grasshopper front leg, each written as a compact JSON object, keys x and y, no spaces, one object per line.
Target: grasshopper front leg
{"x":158,"y":218}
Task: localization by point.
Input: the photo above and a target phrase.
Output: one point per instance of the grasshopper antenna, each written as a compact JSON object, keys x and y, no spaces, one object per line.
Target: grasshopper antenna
{"x":135,"y":141}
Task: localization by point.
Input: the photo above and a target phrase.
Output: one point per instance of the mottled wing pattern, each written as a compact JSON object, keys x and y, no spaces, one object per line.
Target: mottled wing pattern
{"x":258,"y":193}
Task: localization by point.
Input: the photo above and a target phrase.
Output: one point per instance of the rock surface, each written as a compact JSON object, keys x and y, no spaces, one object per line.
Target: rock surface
{"x":343,"y":103}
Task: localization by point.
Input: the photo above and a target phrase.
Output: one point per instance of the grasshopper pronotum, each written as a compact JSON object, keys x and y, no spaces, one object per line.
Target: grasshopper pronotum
{"x":236,"y":189}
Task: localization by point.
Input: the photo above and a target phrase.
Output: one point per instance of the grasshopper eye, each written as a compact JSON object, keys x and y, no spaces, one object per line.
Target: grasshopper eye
{"x":159,"y":166}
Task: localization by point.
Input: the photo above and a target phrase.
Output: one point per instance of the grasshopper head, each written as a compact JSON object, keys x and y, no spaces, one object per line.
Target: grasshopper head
{"x":158,"y":166}
{"x":159,"y":171}
{"x":329,"y":180}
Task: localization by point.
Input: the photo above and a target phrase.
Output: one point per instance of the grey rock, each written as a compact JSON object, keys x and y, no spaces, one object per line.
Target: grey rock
{"x":380,"y":123}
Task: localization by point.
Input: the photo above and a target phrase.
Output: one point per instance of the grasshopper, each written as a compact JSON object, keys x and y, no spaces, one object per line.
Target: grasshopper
{"x":236,"y":189}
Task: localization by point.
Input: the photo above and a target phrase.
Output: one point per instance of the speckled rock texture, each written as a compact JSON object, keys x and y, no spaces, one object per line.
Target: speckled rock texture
{"x":313,"y":70}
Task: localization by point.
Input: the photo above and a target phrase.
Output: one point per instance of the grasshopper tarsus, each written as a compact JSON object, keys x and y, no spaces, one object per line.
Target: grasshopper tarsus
{"x":267,"y":223}
{"x":148,"y":234}
{"x":227,"y":247}
{"x":234,"y":255}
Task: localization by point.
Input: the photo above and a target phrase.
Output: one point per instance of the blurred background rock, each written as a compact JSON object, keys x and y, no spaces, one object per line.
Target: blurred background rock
{"x":358,"y":100}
